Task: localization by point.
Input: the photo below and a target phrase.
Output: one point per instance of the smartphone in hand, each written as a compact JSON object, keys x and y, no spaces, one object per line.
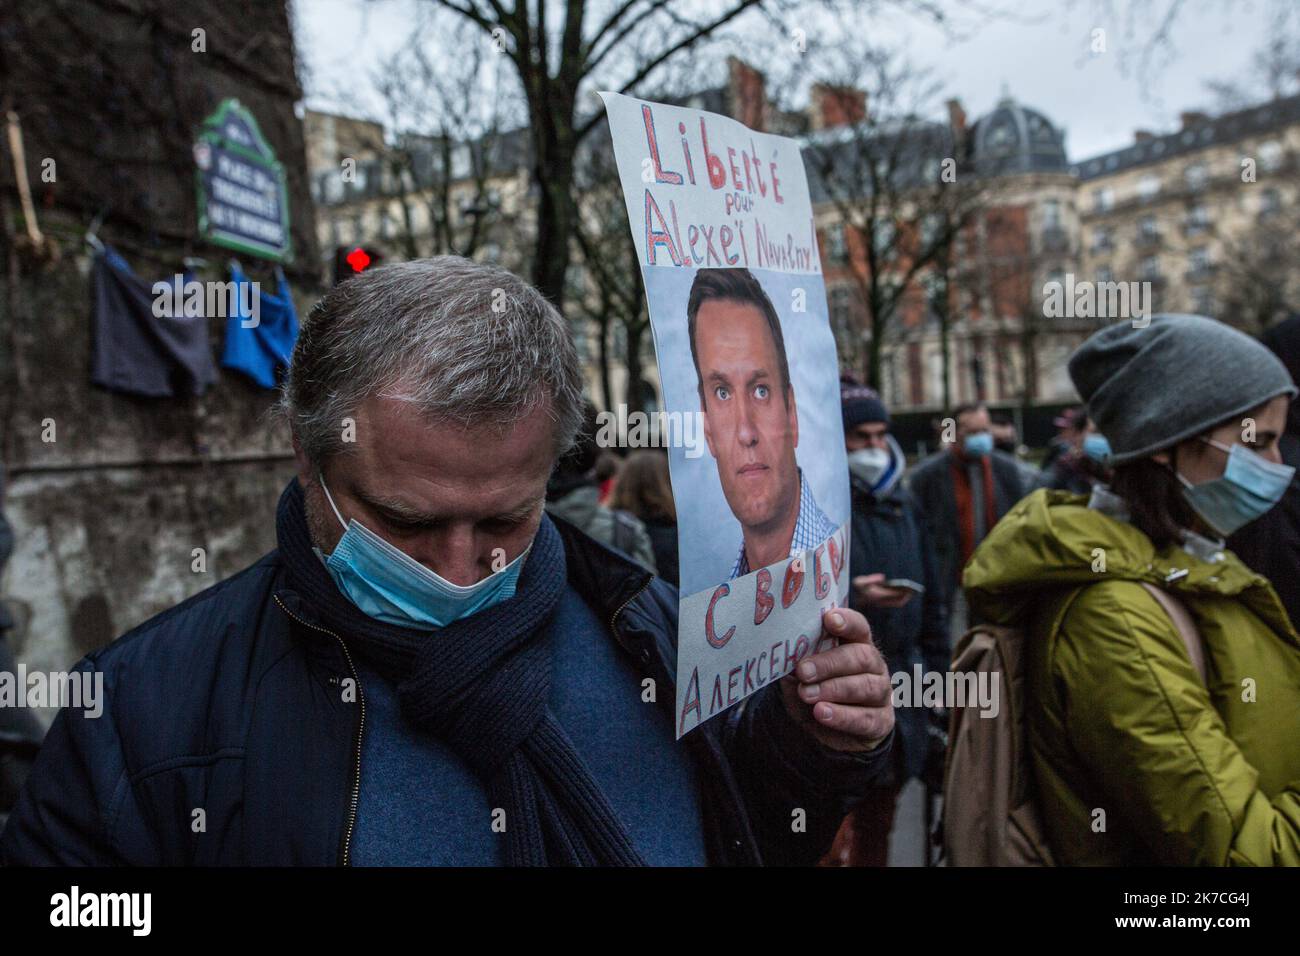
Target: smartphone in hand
{"x":905,"y":583}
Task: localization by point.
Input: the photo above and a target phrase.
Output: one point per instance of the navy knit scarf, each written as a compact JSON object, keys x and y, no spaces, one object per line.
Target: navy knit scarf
{"x":481,"y":685}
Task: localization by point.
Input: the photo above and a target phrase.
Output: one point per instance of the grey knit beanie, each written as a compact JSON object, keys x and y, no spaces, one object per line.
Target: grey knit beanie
{"x":1152,"y":387}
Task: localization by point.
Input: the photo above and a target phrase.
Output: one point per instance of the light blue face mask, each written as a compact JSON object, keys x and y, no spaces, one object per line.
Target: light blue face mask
{"x":389,"y":585}
{"x":1096,"y":446}
{"x":977,"y":445}
{"x":1249,"y":487}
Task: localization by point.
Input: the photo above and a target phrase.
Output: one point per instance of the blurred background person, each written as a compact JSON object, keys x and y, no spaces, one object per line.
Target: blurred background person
{"x":895,"y":585}
{"x":1069,"y":430}
{"x":1006,"y":439}
{"x":1139,"y":670}
{"x":963,"y":490}
{"x":572,"y":494}
{"x":1271,"y":545}
{"x":1081,"y":466}
{"x":607,"y":466}
{"x":644,"y":491}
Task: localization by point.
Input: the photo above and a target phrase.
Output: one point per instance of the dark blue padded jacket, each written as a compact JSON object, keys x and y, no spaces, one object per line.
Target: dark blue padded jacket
{"x":225,"y":739}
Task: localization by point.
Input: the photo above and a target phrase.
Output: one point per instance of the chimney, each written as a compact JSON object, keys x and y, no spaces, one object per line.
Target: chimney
{"x":1143,"y":136}
{"x":957,"y":118}
{"x":747,"y":93}
{"x":1192,"y":118}
{"x":831,"y":106}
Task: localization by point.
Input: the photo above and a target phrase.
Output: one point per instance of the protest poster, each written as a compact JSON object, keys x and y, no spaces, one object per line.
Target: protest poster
{"x":724,"y":231}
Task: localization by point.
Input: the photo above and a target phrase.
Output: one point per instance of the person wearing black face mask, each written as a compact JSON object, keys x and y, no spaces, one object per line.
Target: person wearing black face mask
{"x":889,"y":544}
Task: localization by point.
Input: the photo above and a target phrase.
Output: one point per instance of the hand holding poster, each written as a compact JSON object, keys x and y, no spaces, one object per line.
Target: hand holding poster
{"x":724,"y":231}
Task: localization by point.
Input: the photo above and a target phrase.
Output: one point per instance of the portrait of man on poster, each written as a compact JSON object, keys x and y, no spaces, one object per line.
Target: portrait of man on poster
{"x":751,"y":418}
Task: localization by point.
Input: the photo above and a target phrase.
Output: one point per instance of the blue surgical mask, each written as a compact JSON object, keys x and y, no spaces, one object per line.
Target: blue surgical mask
{"x":1096,"y":447}
{"x":389,"y":585}
{"x":977,"y":445}
{"x":1249,"y":487}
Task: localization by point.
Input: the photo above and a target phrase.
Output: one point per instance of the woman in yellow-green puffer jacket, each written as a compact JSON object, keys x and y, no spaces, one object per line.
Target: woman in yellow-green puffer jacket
{"x":1135,"y":758}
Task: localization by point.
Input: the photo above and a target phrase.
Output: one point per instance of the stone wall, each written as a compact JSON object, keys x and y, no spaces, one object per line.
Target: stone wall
{"x":109,"y":494}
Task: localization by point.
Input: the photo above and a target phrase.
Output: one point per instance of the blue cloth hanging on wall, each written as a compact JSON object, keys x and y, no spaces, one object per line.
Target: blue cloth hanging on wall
{"x":261,"y":350}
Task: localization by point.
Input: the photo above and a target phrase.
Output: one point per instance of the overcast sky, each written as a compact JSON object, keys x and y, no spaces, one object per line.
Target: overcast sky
{"x":1040,"y":56}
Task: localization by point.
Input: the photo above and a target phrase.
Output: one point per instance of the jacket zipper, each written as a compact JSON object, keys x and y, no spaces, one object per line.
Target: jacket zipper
{"x":635,"y":594}
{"x":361,"y":724}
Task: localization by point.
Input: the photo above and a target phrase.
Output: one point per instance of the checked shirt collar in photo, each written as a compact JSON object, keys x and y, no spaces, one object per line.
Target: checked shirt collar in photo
{"x":811,"y":528}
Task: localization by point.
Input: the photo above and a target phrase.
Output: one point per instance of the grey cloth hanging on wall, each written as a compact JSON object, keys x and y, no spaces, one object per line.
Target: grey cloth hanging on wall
{"x":136,"y":351}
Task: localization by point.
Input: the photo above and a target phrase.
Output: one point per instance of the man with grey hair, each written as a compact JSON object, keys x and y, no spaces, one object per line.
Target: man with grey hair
{"x":428,"y":669}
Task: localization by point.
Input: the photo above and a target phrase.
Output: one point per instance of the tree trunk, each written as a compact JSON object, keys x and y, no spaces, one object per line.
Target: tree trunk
{"x":873,"y":352}
{"x":553,"y":149}
{"x":635,"y":396}
{"x":603,"y":353}
{"x":1030,"y":391}
{"x":945,"y":346}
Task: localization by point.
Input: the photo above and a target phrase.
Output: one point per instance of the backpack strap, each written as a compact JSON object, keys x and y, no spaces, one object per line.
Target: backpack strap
{"x":1184,"y":624}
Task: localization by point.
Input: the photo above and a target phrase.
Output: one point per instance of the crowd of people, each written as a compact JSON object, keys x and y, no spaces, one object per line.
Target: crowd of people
{"x":1151,"y":564}
{"x":1179,"y":469}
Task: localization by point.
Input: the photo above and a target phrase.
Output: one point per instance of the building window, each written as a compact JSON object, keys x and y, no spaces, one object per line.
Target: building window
{"x":930,"y":226}
{"x":1203,"y":301}
{"x":1103,"y":199}
{"x":841,"y":309}
{"x":1149,"y":187}
{"x":1101,"y":240}
{"x":1052,"y":214}
{"x":1270,"y":155}
{"x":581,"y":341}
{"x":835,"y":245}
{"x":460,"y":163}
{"x":1197,"y":175}
{"x":893,"y":384}
{"x":1149,"y":268}
{"x":1270,"y":203}
{"x":575,"y":281}
{"x":1198,"y":261}
{"x":882,"y":237}
{"x":1148,"y":229}
{"x":1198,"y":220}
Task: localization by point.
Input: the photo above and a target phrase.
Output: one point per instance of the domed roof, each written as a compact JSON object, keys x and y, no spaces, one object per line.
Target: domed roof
{"x":1015,"y":139}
